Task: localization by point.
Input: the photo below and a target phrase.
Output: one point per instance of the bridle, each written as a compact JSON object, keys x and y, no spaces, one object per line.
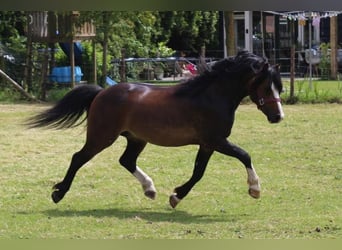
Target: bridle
{"x":266,"y":100}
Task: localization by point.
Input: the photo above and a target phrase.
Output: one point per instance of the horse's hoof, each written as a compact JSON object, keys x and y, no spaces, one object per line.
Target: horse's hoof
{"x":254,"y":193}
{"x":150,"y":194}
{"x":56,"y":196}
{"x":174,"y":200}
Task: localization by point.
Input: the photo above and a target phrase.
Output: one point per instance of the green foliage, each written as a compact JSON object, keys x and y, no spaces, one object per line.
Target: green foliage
{"x":56,"y":93}
{"x":193,"y":29}
{"x":8,"y":95}
{"x":319,"y":92}
{"x":140,"y":33}
{"x":324,"y":64}
{"x":162,"y":50}
{"x":12,"y":25}
{"x":61,"y":58}
{"x":13,"y":43}
{"x":87,"y":58}
{"x":132,"y":30}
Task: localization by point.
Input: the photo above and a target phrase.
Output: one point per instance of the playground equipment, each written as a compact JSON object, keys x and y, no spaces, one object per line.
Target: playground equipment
{"x":52,"y":27}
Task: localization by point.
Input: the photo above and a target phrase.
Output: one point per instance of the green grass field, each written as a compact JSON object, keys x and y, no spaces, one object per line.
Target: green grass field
{"x":299,"y":162}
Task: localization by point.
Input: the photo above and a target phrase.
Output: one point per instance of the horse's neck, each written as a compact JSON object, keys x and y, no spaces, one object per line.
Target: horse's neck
{"x":232,"y":93}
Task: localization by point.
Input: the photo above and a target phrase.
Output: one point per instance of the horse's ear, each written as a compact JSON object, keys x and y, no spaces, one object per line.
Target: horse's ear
{"x":277,"y":67}
{"x":258,"y":67}
{"x":266,"y":66}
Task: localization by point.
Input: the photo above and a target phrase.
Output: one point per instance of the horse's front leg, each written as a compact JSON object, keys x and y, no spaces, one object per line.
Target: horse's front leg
{"x":201,"y":162}
{"x":227,"y":148}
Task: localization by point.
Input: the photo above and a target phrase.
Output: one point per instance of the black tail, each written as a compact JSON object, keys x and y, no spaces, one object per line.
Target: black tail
{"x":68,"y":110}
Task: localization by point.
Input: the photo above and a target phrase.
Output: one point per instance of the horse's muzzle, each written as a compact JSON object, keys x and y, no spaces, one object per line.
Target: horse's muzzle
{"x":275,"y":118}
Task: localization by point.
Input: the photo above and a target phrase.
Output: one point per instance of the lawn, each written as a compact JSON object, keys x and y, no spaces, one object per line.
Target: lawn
{"x":299,"y":162}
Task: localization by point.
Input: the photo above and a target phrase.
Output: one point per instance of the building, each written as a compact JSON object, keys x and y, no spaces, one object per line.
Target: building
{"x":271,"y":34}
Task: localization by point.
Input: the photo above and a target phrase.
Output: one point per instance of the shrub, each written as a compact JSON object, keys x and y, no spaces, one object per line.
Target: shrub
{"x":318,"y":92}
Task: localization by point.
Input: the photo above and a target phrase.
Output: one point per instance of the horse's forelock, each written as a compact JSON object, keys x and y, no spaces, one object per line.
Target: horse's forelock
{"x":276,"y":78}
{"x":247,"y":60}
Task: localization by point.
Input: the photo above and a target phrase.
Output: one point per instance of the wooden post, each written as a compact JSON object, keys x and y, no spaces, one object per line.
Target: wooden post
{"x":333,"y":46}
{"x":230,"y":34}
{"x":106,"y":23}
{"x":72,"y":64}
{"x":293,"y":61}
{"x":94,"y":63}
{"x":28,"y":63}
{"x":45,"y":68}
{"x":28,"y":66}
{"x":52,"y":63}
{"x":292,"y":71}
{"x":123,"y":66}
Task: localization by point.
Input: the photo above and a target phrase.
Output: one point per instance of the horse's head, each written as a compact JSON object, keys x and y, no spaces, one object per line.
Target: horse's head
{"x":265,"y":89}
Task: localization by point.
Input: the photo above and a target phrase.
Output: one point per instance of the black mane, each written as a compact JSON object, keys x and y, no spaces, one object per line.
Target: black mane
{"x":230,"y":68}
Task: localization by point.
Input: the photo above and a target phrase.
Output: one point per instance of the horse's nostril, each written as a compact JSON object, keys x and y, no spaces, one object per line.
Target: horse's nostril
{"x":275,"y":118}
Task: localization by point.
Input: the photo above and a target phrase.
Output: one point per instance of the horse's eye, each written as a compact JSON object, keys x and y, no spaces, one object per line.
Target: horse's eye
{"x":268,"y":90}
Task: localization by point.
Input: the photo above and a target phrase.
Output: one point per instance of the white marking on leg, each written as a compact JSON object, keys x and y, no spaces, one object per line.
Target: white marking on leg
{"x":253,"y":182}
{"x":146,"y":182}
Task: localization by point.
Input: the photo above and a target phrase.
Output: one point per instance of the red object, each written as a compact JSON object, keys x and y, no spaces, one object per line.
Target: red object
{"x":191,"y":68}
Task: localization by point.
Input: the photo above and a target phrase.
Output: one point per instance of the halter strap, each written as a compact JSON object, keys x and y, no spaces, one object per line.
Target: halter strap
{"x":261,"y":101}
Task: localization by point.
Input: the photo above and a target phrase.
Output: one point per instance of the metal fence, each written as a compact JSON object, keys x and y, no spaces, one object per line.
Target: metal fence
{"x":157,"y":68}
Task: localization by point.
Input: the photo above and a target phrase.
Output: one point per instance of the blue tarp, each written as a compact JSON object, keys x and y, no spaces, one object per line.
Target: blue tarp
{"x":110,"y":81}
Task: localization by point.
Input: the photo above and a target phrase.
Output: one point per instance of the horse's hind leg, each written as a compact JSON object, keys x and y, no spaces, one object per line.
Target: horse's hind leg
{"x":61,"y":188}
{"x":92,"y":147}
{"x":129,"y":161}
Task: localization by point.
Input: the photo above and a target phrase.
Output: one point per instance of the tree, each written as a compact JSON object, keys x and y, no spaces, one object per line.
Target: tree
{"x":191,"y":30}
{"x":139,"y":33}
{"x":230,"y":34}
{"x":115,"y":30}
{"x":13,"y":42}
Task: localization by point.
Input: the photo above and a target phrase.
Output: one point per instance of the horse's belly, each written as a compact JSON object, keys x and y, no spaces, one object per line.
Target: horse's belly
{"x":170,"y":137}
{"x":164,"y":124}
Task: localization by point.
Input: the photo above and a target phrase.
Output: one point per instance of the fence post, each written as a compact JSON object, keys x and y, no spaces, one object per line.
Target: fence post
{"x":123,"y":66}
{"x":333,"y":46}
{"x":293,"y":61}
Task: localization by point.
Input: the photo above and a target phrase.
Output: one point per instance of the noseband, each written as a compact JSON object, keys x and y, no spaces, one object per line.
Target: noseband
{"x":262,"y":101}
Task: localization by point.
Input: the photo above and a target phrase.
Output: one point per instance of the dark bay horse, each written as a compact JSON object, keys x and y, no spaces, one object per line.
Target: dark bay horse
{"x":199,"y":111}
